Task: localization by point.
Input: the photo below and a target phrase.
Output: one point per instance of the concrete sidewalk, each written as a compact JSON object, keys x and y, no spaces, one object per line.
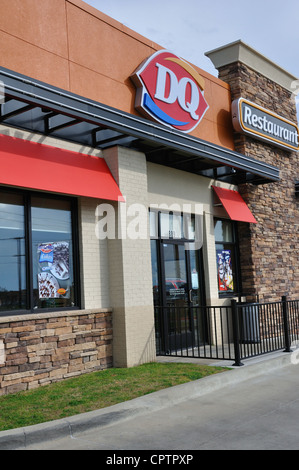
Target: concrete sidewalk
{"x":64,"y":433}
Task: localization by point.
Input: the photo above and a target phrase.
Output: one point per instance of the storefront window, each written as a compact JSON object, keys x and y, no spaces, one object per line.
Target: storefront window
{"x":227,"y":256}
{"x":37,"y":265}
{"x":52,"y":248}
{"x":177,"y":268}
{"x":153,"y":217}
{"x":171,"y":226}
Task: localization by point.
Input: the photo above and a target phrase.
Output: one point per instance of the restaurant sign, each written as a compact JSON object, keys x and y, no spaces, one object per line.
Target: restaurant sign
{"x":170,"y":91}
{"x":251,"y":119}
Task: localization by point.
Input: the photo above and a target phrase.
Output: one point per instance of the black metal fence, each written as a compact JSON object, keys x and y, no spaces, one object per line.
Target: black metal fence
{"x":234,"y":332}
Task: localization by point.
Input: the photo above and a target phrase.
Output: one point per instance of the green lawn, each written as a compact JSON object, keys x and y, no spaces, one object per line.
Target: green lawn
{"x":94,"y":391}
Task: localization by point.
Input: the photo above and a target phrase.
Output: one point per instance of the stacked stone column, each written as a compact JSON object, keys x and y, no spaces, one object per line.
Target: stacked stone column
{"x":269,"y":250}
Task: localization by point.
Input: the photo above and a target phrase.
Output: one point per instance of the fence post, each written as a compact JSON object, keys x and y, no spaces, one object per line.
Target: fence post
{"x":236,"y":333}
{"x":285,"y":313}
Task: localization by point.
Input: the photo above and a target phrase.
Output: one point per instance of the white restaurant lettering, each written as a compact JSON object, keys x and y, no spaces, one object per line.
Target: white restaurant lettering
{"x":264,"y":124}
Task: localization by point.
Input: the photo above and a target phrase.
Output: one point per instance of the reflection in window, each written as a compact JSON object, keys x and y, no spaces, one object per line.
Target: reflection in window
{"x":224,"y":231}
{"x":171,"y":225}
{"x":12,"y":253}
{"x":155,"y":273}
{"x":153,"y":224}
{"x":168,"y":225}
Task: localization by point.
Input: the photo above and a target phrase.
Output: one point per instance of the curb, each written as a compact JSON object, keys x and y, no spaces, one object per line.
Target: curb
{"x":21,"y":438}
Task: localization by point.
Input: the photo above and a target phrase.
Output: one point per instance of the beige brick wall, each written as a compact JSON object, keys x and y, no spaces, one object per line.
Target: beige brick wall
{"x":130,"y":266}
{"x":43,"y":139}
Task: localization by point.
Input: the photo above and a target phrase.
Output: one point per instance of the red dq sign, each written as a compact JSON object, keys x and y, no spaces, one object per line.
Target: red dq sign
{"x":170,"y":91}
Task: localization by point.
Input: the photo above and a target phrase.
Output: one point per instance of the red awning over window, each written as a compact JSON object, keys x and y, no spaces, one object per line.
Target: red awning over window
{"x":234,"y":205}
{"x":37,"y":166}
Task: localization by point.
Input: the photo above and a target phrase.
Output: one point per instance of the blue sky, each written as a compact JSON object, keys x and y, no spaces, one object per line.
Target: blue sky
{"x":192,"y":27}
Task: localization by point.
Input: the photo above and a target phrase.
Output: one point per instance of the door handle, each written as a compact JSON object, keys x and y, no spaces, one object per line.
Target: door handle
{"x":190,"y":296}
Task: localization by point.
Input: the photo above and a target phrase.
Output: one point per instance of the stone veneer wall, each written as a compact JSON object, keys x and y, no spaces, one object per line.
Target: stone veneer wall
{"x":40,"y":349}
{"x":269,"y":249}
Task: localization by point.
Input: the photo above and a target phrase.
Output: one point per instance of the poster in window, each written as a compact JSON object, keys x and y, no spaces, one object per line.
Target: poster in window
{"x":225,"y":272}
{"x":53,"y":270}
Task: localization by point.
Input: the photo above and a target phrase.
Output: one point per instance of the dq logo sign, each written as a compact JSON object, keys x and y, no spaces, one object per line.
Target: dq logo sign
{"x":170,"y":91}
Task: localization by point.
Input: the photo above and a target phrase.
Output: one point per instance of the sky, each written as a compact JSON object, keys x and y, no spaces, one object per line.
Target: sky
{"x":189,"y":28}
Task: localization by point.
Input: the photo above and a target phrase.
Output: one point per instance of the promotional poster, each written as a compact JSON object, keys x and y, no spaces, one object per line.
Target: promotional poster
{"x":53,"y":270}
{"x":225,"y":273}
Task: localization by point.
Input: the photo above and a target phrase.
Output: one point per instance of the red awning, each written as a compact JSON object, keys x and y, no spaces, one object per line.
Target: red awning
{"x":234,"y":205}
{"x":37,"y":166}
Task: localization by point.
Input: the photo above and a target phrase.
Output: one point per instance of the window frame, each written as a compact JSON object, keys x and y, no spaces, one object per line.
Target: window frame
{"x":160,"y":239}
{"x":234,"y":246}
{"x":27,"y":196}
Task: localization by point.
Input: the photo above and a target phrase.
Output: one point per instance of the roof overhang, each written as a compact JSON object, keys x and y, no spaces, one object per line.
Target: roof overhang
{"x":41,"y":108}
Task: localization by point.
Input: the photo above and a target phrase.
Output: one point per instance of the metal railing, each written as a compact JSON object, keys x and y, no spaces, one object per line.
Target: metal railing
{"x":234,"y":332}
{"x":204,"y":332}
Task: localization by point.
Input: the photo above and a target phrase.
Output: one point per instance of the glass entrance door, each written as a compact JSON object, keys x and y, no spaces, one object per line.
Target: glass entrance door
{"x":178,"y":286}
{"x":181,"y":291}
{"x":175,"y":278}
{"x":181,"y":276}
{"x":178,"y":297}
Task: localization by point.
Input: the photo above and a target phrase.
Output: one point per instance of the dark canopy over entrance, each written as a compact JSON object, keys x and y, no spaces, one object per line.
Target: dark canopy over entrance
{"x":42,"y":108}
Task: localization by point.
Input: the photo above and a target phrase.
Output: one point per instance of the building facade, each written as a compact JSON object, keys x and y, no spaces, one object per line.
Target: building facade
{"x":268,"y":267}
{"x":132,"y":182}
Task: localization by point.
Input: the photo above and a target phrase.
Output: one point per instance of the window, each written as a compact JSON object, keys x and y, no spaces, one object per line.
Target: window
{"x":13,"y":283}
{"x":227,"y":257}
{"x":177,"y":266}
{"x":38,"y":252}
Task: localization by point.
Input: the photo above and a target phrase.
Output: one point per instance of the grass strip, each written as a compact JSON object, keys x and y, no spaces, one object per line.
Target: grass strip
{"x":94,"y":391}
